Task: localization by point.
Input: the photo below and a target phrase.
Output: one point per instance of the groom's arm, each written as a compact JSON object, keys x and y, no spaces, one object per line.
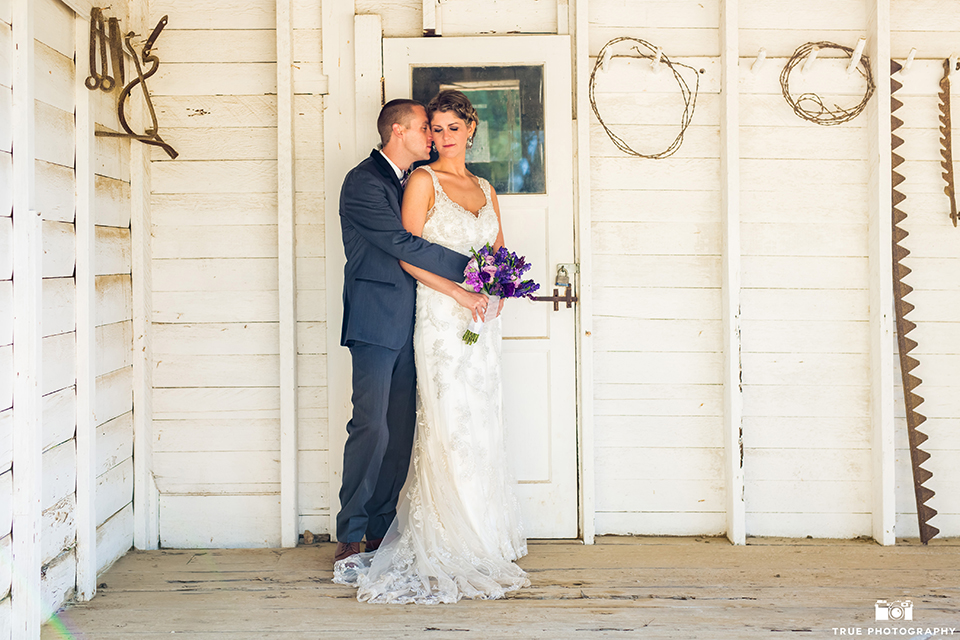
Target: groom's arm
{"x":365,"y":203}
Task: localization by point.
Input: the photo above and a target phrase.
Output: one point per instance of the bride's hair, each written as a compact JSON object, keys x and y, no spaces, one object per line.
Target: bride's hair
{"x":453,"y":101}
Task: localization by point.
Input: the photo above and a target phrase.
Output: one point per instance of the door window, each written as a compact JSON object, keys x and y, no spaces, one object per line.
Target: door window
{"x":508,"y":147}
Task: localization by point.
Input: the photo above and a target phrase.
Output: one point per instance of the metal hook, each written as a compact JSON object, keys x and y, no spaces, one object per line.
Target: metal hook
{"x":657,"y":60}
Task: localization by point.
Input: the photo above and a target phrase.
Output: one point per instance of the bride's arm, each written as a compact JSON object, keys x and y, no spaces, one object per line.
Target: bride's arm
{"x":417,"y":200}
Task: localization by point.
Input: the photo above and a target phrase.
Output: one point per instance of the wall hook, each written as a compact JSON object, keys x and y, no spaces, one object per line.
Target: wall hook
{"x":953,"y":65}
{"x":657,"y":60}
{"x":810,"y":59}
{"x":909,"y":61}
{"x":605,"y":60}
{"x":758,"y":63}
{"x":856,"y":55}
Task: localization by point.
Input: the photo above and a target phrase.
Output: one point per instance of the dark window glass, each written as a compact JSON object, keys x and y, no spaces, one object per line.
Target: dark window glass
{"x":508,"y":146}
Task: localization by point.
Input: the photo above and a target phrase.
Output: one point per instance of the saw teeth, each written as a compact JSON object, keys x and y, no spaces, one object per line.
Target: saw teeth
{"x":901,"y":289}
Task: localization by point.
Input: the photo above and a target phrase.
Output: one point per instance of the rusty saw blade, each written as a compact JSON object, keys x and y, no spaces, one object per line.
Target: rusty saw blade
{"x":900,"y":290}
{"x":946,"y":140}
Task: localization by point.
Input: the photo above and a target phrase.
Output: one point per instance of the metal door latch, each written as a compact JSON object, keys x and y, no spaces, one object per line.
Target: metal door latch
{"x":562,"y":281}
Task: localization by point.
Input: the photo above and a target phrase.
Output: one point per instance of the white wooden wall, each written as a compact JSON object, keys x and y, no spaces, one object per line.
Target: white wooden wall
{"x":215,"y":331}
{"x":807,"y":385}
{"x":804,"y":337}
{"x":71,"y":341}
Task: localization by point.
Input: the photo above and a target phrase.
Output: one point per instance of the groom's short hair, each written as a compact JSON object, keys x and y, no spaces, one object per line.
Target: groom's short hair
{"x":394,"y":112}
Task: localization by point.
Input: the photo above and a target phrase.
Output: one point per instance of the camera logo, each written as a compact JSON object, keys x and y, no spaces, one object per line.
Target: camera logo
{"x":894,"y":610}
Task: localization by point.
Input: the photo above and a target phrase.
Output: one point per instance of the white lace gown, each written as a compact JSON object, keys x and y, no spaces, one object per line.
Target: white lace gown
{"x":457,"y":532}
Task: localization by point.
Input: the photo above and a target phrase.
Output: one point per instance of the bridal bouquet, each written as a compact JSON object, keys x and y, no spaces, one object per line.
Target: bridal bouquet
{"x":497,"y":274}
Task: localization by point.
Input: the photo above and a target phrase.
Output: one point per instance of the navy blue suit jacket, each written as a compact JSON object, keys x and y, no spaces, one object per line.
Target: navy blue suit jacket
{"x":379,"y":297}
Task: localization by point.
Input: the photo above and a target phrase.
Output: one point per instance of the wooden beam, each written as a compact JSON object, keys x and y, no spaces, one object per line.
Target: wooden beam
{"x":146,"y":501}
{"x":880,"y":248}
{"x":287,"y":269}
{"x":27,"y":336}
{"x":340,"y":154}
{"x":368,"y":74}
{"x":730,"y":277}
{"x":86,"y":513}
{"x":583,"y":220}
{"x":431,"y":18}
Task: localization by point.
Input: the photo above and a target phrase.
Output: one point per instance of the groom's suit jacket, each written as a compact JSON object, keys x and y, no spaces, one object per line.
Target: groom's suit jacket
{"x":378,"y":295}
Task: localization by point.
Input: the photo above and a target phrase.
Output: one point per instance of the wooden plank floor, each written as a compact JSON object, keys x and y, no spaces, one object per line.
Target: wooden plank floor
{"x":619,"y":588}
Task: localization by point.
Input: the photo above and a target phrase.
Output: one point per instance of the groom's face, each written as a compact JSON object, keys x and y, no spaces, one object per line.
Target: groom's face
{"x":417,"y":137}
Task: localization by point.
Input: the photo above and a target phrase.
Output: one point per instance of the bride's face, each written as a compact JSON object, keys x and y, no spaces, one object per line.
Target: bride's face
{"x":450,"y":134}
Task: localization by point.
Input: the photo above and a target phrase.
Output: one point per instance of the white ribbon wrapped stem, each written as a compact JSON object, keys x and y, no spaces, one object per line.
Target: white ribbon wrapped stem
{"x":475,"y":326}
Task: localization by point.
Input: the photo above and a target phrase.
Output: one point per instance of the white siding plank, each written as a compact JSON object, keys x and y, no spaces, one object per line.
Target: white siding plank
{"x":113,"y":299}
{"x":196,"y":241}
{"x":216,"y":339}
{"x":114,"y":347}
{"x":212,"y":434}
{"x":56,"y":200}
{"x":197,"y":521}
{"x":54,"y":80}
{"x":59,"y":301}
{"x":59,"y":417}
{"x":114,"y":442}
{"x":212,"y":275}
{"x":59,"y":249}
{"x":59,"y":580}
{"x":114,"y":538}
{"x":233,"y":176}
{"x":112,"y":251}
{"x":55,"y":135}
{"x":59,"y":528}
{"x":114,"y":490}
{"x":59,"y":473}
{"x":59,"y":362}
{"x":111,"y":202}
{"x":114,"y":394}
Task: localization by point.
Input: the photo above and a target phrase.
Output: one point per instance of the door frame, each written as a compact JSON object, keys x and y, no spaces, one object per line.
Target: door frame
{"x":348,"y":133}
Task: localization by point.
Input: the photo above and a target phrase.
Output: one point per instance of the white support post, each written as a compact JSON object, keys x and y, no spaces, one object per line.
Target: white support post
{"x":146,"y":499}
{"x":340,"y":154}
{"x":581,"y":182}
{"x":86,"y":513}
{"x":882,"y":326}
{"x":432,"y":11}
{"x":27,"y":336}
{"x":730,"y":287}
{"x":368,"y":74}
{"x":287,"y":268}
{"x":563,"y":19}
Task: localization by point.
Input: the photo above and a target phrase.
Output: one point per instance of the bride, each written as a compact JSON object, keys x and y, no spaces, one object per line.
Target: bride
{"x":457,"y":532}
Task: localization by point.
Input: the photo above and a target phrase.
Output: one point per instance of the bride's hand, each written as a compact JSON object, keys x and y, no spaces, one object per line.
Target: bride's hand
{"x":475,"y":302}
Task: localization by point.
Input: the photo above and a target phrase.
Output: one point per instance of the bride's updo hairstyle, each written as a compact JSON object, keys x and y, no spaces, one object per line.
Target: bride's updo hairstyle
{"x":451,"y":100}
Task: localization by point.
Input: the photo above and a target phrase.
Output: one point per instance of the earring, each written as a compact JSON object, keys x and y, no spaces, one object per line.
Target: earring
{"x":470,"y":142}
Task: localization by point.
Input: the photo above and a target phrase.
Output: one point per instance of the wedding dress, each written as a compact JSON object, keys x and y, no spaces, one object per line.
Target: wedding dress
{"x":457,"y":530}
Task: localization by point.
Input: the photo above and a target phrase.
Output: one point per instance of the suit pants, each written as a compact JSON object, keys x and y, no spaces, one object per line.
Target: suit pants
{"x":376,"y":456}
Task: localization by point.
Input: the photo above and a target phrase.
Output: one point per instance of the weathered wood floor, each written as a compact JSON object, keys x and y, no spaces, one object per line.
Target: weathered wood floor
{"x":619,"y":588}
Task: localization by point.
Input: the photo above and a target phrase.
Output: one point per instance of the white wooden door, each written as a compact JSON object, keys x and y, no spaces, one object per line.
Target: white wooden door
{"x":539,"y":362}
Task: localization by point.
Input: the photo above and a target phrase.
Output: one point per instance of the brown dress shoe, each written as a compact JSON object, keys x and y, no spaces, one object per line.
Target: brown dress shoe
{"x":345,"y":550}
{"x":373,"y":545}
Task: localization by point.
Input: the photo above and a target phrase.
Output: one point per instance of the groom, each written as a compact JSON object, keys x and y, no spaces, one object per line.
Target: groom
{"x":378,"y":310}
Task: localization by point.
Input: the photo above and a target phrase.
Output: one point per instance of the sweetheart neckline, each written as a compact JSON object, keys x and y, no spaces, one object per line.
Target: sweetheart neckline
{"x":476,"y":216}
